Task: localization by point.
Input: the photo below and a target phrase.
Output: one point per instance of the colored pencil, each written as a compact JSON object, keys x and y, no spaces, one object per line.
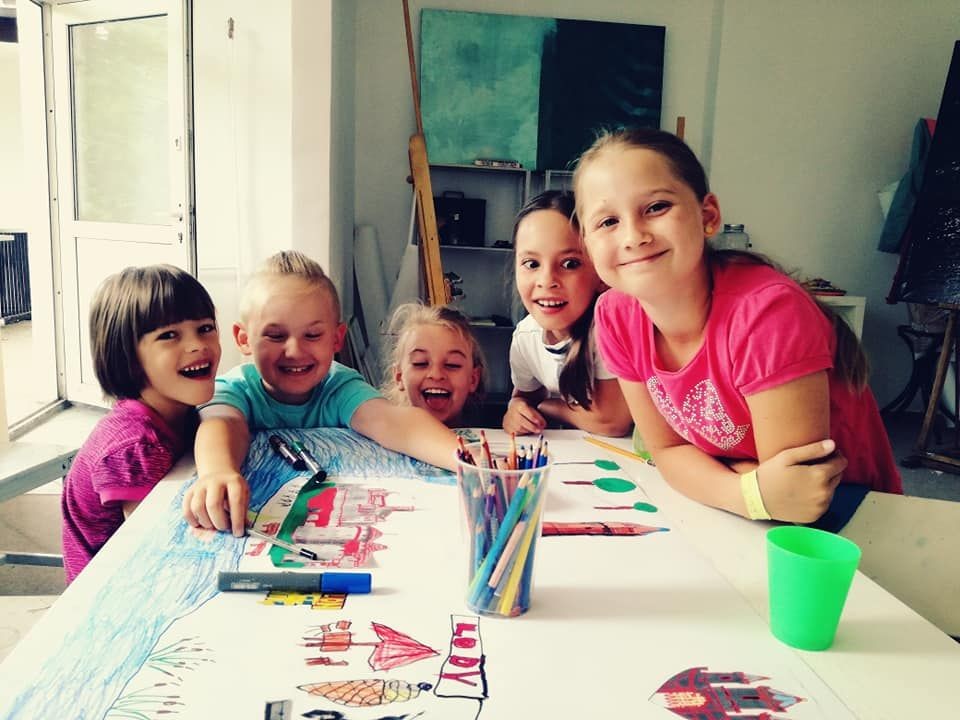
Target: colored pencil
{"x":536,"y":457}
{"x":612,"y":448}
{"x":482,"y":576}
{"x":509,"y":595}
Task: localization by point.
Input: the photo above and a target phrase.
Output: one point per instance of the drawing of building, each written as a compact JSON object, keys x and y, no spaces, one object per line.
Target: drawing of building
{"x":697,"y":694}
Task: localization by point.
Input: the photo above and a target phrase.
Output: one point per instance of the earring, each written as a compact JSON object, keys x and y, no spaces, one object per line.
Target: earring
{"x":708,"y":229}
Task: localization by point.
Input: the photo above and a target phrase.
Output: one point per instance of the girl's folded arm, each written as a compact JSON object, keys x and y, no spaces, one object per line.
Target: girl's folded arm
{"x":686,"y":468}
{"x":794,"y":415}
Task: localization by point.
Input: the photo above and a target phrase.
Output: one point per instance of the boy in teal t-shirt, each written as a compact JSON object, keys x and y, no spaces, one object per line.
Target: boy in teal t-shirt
{"x":290,"y":326}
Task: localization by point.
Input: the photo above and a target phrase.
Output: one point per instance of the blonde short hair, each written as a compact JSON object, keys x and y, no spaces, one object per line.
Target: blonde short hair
{"x":407,"y":318}
{"x":287,"y":264}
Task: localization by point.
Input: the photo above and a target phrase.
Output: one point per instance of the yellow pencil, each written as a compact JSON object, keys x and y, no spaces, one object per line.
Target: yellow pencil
{"x":612,"y":448}
{"x":513,"y":581}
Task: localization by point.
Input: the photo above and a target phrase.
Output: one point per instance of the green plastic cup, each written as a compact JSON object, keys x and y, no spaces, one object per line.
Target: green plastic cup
{"x":809,"y":573}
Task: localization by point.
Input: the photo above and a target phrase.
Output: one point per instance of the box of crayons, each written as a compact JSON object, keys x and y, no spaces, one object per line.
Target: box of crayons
{"x":502,"y":491}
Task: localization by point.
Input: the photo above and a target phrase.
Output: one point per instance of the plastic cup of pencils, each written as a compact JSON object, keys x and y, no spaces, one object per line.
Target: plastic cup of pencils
{"x":502,"y":493}
{"x":809,"y":573}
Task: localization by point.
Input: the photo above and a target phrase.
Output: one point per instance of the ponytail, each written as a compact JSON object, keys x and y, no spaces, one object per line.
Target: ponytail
{"x":576,"y":377}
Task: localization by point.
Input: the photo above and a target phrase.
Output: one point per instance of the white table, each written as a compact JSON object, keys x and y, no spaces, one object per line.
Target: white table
{"x":887,"y":662}
{"x":885,"y":653}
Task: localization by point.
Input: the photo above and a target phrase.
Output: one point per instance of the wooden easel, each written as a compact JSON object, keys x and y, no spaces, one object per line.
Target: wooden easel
{"x":951,"y":343}
{"x":437,"y":291}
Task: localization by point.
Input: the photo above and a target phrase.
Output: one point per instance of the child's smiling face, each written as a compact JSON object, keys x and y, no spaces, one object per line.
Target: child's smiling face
{"x":555,"y":278}
{"x":643,"y":226}
{"x":436,"y":371}
{"x":292,"y":335}
{"x":179,"y":362}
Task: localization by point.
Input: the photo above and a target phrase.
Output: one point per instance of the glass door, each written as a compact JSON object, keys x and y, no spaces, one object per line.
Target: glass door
{"x":123,"y":162}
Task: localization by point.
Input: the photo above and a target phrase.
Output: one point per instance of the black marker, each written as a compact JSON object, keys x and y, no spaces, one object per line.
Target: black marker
{"x":281,"y":448}
{"x":304,"y":582}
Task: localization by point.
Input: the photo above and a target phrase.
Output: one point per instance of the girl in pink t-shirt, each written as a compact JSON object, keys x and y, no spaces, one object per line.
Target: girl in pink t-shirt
{"x":741,"y":386}
{"x":155,"y":347}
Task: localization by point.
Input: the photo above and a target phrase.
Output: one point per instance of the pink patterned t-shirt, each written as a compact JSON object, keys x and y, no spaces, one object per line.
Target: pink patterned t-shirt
{"x":764,"y":330}
{"x":127,"y":453}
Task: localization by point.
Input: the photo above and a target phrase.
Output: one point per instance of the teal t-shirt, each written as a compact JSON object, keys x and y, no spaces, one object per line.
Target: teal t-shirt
{"x":333,"y":403}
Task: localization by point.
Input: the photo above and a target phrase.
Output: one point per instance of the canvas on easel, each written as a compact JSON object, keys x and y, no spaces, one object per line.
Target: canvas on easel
{"x":931,"y":262}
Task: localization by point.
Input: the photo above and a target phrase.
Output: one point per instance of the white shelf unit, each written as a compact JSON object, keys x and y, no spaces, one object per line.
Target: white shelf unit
{"x":487,"y":271}
{"x":850,"y":307}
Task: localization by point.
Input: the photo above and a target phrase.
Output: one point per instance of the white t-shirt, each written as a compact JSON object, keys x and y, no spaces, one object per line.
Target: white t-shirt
{"x":534,"y":364}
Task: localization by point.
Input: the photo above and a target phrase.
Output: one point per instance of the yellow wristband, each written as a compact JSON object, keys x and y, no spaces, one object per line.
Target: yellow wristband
{"x":750,"y":489}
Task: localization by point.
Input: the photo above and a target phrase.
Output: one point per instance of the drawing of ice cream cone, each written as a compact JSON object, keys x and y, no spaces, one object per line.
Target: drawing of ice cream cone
{"x":366,"y":693}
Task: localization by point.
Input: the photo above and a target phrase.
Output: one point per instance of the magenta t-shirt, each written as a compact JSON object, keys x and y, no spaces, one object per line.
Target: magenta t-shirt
{"x":127,"y":453}
{"x":763,"y":331}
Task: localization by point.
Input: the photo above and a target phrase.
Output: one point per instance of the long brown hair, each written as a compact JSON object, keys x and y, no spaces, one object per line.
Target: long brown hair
{"x":849,"y":361}
{"x":850,"y":364}
{"x":576,"y":376}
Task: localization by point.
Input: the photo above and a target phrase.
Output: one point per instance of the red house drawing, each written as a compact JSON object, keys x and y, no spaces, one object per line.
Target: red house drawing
{"x":697,"y":694}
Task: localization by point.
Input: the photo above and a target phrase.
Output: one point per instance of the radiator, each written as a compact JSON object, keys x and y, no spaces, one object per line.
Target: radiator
{"x":14,"y":278}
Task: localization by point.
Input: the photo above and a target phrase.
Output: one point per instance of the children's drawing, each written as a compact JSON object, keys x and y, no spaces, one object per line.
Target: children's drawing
{"x":469,"y":435}
{"x":336,"y":522}
{"x":697,"y":694}
{"x":641,"y":506}
{"x":463,"y":674}
{"x":160,"y":641}
{"x":317,"y":601}
{"x":598,"y":528}
{"x":393,"y":649}
{"x":366,"y":693}
{"x":607,"y":484}
{"x":162,"y":697}
{"x":600,"y":463}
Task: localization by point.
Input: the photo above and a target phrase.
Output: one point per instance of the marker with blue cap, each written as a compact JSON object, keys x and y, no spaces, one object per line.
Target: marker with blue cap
{"x":301,"y":582}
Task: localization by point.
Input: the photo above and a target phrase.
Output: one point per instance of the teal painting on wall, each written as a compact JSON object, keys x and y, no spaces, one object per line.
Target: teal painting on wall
{"x":480,"y":85}
{"x":530,"y":89}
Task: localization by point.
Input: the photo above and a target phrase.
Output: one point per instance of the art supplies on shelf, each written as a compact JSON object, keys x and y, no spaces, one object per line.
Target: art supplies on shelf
{"x":497,"y":163}
{"x":821,"y":286}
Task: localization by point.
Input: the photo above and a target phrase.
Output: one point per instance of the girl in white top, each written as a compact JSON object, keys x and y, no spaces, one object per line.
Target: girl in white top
{"x":554,"y":366}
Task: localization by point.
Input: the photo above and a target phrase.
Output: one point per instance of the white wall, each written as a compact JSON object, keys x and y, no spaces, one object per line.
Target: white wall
{"x":799,"y":111}
{"x":11,"y":151}
{"x":262,"y":112}
{"x":384,"y":105}
{"x":816,"y":105}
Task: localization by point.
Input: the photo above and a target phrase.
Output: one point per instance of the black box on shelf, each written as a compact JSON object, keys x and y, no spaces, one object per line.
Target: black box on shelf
{"x":460,"y":220}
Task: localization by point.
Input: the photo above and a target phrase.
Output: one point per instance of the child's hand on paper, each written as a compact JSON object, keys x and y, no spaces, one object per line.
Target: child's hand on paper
{"x":797,"y":484}
{"x":522,"y":418}
{"x":218,"y":501}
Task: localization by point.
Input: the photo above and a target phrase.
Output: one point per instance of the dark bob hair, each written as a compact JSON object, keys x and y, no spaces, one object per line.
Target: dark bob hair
{"x":130,"y":304}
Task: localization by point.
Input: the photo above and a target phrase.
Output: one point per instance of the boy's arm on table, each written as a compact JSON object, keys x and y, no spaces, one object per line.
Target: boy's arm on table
{"x":219,"y":497}
{"x":522,"y":416}
{"x":608,"y":413}
{"x":409,"y":430}
{"x":790,"y":423}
